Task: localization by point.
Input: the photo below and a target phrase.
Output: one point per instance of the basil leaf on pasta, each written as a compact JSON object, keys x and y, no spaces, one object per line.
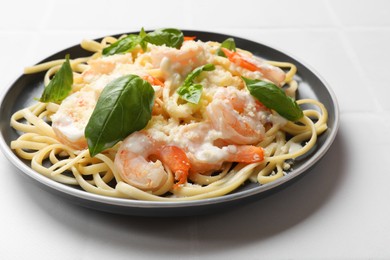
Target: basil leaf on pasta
{"x":169,"y":37}
{"x":144,"y":44}
{"x":124,"y":106}
{"x":60,"y":85}
{"x":228,"y":44}
{"x":274,"y":98}
{"x":190,"y":91}
{"x":123,"y":45}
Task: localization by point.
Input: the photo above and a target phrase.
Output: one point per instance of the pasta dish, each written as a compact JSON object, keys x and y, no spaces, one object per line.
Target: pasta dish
{"x":166,"y":117}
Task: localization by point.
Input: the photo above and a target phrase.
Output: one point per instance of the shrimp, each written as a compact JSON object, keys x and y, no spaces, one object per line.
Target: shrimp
{"x":133,"y":161}
{"x":272,"y":73}
{"x":152,"y":80}
{"x":102,"y":70}
{"x":182,"y":61}
{"x":238,"y":116}
{"x":176,"y":160}
{"x":209,"y":159}
{"x":97,"y":68}
{"x":72,"y":116}
{"x":206,"y":154}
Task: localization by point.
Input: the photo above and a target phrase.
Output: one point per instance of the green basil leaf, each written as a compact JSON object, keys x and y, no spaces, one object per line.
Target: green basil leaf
{"x":124,"y":106}
{"x":228,"y":44}
{"x":274,"y":98}
{"x":143,"y":43}
{"x":60,"y":85}
{"x":169,"y":36}
{"x":196,"y":72}
{"x":123,"y":45}
{"x":190,"y":91}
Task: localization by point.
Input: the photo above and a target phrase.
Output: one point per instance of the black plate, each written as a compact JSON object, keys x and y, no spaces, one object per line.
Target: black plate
{"x":27,"y":87}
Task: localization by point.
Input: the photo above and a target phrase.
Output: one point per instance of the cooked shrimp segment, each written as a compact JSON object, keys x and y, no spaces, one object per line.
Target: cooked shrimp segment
{"x":133,"y":161}
{"x":209,"y":159}
{"x":182,"y":61}
{"x":238,"y":116}
{"x":245,"y":154}
{"x":70,"y":120}
{"x":268,"y":71}
{"x":97,"y":68}
{"x":153,"y":81}
{"x":134,"y":166}
{"x":176,"y":160}
{"x":105,"y":69}
{"x":102,"y":66}
{"x":207,"y":150}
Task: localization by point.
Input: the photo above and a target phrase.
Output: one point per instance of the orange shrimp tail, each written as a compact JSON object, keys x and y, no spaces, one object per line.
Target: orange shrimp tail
{"x":152,"y":80}
{"x":247,"y":154}
{"x":276,"y":75}
{"x":189,"y":38}
{"x":237,"y":59}
{"x":177,"y":161}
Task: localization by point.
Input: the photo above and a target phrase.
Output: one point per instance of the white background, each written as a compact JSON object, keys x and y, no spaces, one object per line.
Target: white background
{"x":340,"y":210}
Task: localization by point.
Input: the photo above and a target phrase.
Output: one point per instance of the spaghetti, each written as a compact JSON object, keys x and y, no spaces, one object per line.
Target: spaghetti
{"x":223,"y":141}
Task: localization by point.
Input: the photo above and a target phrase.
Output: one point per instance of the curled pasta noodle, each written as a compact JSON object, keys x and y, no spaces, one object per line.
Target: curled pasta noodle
{"x":282,"y":141}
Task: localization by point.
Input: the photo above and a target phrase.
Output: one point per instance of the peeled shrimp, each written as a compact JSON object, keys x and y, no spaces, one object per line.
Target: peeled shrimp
{"x":72,"y":116}
{"x":238,"y":116}
{"x":268,"y":71}
{"x":134,"y":162}
{"x":202,"y":162}
{"x":182,"y":61}
{"x":105,"y":65}
{"x":201,"y":143}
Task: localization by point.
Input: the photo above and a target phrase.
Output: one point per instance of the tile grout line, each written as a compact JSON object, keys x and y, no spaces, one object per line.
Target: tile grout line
{"x":37,"y":34}
{"x":352,"y":54}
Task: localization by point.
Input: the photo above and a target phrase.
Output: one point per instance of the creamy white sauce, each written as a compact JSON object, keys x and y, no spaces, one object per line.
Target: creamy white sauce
{"x":209,"y":153}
